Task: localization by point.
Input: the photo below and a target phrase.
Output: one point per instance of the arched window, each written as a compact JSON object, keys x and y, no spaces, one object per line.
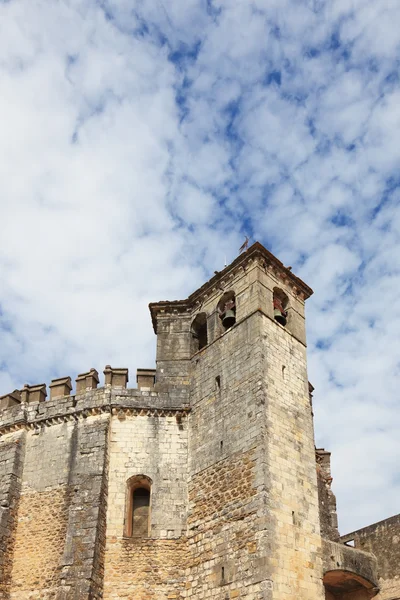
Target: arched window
{"x":281,"y":302}
{"x":227,"y":309}
{"x":199,"y":332}
{"x":137,"y":513}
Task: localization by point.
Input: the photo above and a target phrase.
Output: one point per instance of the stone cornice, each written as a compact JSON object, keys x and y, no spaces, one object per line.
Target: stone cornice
{"x":255,"y":252}
{"x":25,"y":421}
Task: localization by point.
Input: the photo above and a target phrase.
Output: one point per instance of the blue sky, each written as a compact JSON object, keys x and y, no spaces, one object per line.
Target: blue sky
{"x":142,"y":140}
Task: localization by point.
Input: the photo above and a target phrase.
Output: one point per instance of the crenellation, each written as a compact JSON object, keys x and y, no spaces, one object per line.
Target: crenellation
{"x":60,"y":387}
{"x":11,"y":399}
{"x":115,"y":377}
{"x":87,"y":381}
{"x":145,"y":379}
{"x":33,"y":393}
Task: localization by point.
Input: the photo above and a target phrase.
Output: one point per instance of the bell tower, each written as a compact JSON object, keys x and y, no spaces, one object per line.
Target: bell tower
{"x":237,"y":349}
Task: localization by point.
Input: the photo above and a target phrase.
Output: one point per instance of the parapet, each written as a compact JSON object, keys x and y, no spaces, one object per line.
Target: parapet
{"x":60,"y":387}
{"x":115,"y":377}
{"x":87,"y":381}
{"x":349,"y":570}
{"x":11,"y":399}
{"x":33,"y":393}
{"x":29,"y":407}
{"x":145,"y":379}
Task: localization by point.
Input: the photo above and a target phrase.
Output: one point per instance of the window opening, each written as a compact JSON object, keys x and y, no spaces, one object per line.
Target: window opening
{"x":137,"y":510}
{"x":140,"y":512}
{"x":199,"y":332}
{"x":227,"y":309}
{"x":281,"y":302}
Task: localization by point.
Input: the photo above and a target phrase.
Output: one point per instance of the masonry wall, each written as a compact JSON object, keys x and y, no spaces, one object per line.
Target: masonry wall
{"x":42,"y":513}
{"x":56,"y":539}
{"x":253,"y":521}
{"x":12,"y":451}
{"x":383,"y":540}
{"x":326,"y":498}
{"x":153,"y":567}
{"x":293,"y":499}
{"x":225,"y":469}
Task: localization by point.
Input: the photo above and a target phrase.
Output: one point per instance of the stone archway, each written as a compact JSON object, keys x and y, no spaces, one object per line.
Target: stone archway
{"x":346,"y":585}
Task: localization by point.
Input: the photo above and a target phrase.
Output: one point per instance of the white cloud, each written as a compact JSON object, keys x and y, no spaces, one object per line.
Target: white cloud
{"x":140,"y":141}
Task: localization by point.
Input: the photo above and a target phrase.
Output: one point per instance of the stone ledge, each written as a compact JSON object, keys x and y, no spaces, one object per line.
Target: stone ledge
{"x":92,"y":402}
{"x":338,"y":557}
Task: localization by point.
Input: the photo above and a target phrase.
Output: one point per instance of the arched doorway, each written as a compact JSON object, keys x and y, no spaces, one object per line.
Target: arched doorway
{"x":345,"y":585}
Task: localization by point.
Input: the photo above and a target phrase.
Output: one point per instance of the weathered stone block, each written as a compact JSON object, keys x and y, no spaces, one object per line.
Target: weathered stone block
{"x":11,"y":399}
{"x":60,"y":387}
{"x":145,"y":378}
{"x":87,"y":381}
{"x":33,"y":393}
{"x":115,"y":377}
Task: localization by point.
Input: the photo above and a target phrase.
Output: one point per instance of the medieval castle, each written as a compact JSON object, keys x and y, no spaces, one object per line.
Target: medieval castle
{"x":201,"y":483}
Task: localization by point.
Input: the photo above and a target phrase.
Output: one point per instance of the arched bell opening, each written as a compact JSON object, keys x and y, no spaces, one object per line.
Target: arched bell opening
{"x":227,"y":309}
{"x":281,"y":303}
{"x":199,"y":332}
{"x":346,"y":585}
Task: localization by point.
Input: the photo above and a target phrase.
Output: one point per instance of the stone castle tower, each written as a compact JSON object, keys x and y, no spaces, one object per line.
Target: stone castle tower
{"x":201,"y":483}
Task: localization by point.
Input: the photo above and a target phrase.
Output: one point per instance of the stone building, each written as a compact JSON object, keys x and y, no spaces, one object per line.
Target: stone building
{"x":203,"y":482}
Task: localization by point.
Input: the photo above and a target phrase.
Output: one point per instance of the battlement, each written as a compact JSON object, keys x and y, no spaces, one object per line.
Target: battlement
{"x":29,"y":407}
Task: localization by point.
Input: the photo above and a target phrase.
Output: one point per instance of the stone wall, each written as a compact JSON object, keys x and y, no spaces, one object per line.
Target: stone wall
{"x":226,"y":447}
{"x":291,"y":477}
{"x":153,"y":567}
{"x":62,"y":487}
{"x":326,"y":498}
{"x":383,"y":540}
{"x":57,"y":542}
{"x":42,"y":513}
{"x":253,"y":505}
{"x":12,"y":451}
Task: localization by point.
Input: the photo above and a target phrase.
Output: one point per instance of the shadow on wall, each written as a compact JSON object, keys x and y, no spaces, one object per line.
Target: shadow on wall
{"x":199,"y":332}
{"x":345,"y":585}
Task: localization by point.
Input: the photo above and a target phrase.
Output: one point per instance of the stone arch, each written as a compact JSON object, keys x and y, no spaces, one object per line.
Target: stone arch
{"x":198,"y":332}
{"x":281,"y":304}
{"x":137,"y":506}
{"x":227,"y":309}
{"x":345,"y":585}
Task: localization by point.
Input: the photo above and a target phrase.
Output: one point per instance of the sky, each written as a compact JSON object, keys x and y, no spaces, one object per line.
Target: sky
{"x":142,"y":140}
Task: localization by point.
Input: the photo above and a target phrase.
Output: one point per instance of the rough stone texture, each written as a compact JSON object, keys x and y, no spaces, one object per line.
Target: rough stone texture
{"x":326,"y":498}
{"x":12,"y":449}
{"x":223,"y":439}
{"x":152,"y":567}
{"x":343,"y":558}
{"x":261,"y":413}
{"x":383,"y":540}
{"x":42,"y":514}
{"x":82,"y":564}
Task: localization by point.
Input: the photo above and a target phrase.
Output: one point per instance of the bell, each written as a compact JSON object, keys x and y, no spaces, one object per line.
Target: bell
{"x":278,"y":316}
{"x":228,"y":319}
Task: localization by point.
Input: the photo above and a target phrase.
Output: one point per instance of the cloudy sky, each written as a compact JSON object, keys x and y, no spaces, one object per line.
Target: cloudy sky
{"x":141,"y":140}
